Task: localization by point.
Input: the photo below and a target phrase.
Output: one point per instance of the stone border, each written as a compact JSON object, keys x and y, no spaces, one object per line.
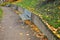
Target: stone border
{"x":40,"y":24}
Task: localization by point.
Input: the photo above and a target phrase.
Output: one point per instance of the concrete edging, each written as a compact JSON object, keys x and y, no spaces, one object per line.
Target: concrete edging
{"x":40,"y":24}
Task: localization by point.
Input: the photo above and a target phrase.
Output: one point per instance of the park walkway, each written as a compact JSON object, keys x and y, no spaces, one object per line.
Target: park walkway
{"x":12,"y":29}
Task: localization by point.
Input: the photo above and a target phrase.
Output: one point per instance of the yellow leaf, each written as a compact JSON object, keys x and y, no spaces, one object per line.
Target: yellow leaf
{"x":58,"y":20}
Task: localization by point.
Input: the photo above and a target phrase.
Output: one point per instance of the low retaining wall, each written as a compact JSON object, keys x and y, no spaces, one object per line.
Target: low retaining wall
{"x":38,"y":22}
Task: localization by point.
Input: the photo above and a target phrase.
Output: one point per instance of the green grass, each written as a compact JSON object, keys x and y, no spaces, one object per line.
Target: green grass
{"x":51,"y":13}
{"x":27,"y":3}
{"x":1,"y":13}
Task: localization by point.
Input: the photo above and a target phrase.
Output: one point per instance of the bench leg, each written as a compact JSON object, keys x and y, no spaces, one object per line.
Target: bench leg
{"x":22,"y":22}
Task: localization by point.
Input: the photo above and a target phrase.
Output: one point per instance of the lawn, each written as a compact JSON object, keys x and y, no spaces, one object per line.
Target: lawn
{"x":27,"y":3}
{"x":1,"y":13}
{"x":51,"y":13}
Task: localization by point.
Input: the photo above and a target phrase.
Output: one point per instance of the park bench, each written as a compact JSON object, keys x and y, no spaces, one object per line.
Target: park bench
{"x":26,"y":15}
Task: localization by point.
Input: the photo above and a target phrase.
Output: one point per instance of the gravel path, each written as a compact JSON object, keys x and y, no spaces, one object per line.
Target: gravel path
{"x":11,"y":29}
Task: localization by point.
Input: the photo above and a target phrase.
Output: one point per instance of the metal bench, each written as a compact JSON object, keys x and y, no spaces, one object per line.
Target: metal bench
{"x":25,"y":16}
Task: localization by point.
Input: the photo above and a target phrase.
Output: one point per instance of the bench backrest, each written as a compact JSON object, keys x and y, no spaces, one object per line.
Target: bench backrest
{"x":27,"y":13}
